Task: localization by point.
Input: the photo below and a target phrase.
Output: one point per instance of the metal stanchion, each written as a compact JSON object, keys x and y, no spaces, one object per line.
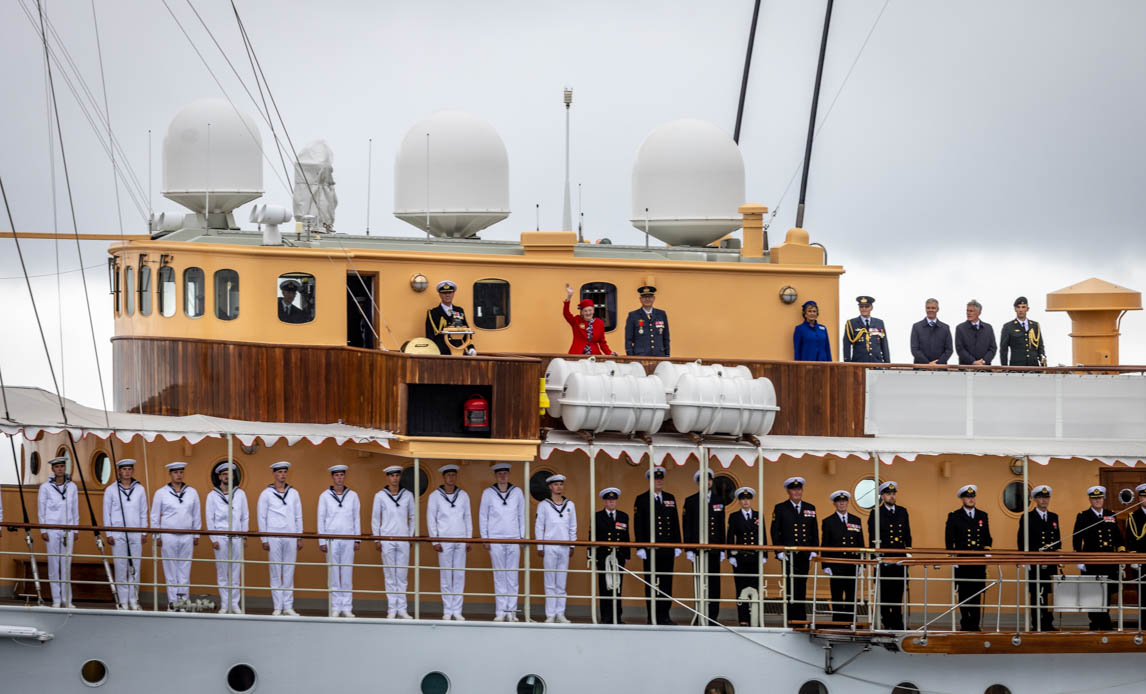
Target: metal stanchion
{"x":417,"y":545}
{"x":527,"y":547}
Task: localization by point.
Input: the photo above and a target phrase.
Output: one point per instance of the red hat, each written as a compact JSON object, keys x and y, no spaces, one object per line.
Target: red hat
{"x":584,"y":303}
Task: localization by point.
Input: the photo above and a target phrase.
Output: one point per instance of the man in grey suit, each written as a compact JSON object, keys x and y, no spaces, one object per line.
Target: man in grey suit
{"x":931,"y":337}
{"x":974,"y":338}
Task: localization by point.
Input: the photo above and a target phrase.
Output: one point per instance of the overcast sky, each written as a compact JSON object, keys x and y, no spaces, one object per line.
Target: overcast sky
{"x":978,"y":149}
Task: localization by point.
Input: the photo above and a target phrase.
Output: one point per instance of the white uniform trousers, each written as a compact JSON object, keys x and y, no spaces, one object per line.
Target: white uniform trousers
{"x":284,"y":550}
{"x":395,"y":559}
{"x":128,"y":594}
{"x":340,"y":574}
{"x":503,"y":557}
{"x":176,"y":552}
{"x":60,"y":547}
{"x":556,"y":563}
{"x":452,"y":569}
{"x":229,"y":572}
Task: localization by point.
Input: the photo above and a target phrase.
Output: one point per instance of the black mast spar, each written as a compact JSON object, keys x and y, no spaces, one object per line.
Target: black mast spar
{"x":812,"y":117}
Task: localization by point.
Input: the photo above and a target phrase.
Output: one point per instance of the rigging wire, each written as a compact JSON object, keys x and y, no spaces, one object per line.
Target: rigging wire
{"x":107,"y":117}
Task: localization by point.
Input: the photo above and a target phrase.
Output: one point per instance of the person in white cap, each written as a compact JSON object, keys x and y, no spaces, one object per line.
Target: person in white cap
{"x":227,"y":510}
{"x":841,"y":529}
{"x":794,"y":524}
{"x":1096,"y":530}
{"x":280,"y":510}
{"x":448,"y":515}
{"x":445,"y":315}
{"x":556,"y":520}
{"x":125,"y":506}
{"x":612,"y":525}
{"x":744,"y":529}
{"x":693,"y":522}
{"x":392,"y":515}
{"x":176,"y":506}
{"x":58,"y":503}
{"x":894,"y":533}
{"x":666,"y":522}
{"x":969,"y":529}
{"x":1039,"y":530}
{"x":339,"y":513}
{"x":501,"y":515}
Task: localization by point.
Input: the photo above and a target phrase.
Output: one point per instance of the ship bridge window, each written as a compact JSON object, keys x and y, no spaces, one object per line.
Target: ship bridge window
{"x":144,"y":287}
{"x":226,"y":294}
{"x":194,"y":291}
{"x":604,"y":296}
{"x":491,"y":304}
{"x":129,"y":290}
{"x":167,"y":291}
{"x":113,"y":283}
{"x":295,"y":297}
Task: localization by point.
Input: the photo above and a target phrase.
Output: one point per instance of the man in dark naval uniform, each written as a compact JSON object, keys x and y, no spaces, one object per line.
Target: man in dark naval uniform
{"x":1135,"y":542}
{"x":611,"y":525}
{"x":1022,"y":338}
{"x":744,"y":529}
{"x":667,"y":526}
{"x":1096,"y":530}
{"x":647,"y":328}
{"x":794,"y":524}
{"x":1039,"y":531}
{"x":693,"y":522}
{"x":288,"y":312}
{"x":445,"y":315}
{"x":894,"y":533}
{"x":841,"y":529}
{"x":968,"y":528}
{"x":865,"y":339}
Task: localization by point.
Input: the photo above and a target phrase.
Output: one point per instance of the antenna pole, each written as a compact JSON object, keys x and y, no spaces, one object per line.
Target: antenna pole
{"x":427,"y":187}
{"x":538,"y":211}
{"x":150,"y":209}
{"x":580,"y":218}
{"x":207,"y":186}
{"x":744,"y":79}
{"x":646,"y":227}
{"x":812,"y":117}
{"x":566,"y":216}
{"x":370,"y":170}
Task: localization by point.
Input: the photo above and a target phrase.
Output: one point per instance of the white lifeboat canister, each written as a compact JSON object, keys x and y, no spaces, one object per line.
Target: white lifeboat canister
{"x":609,"y":402}
{"x":709,"y":404}
{"x":670,"y":373}
{"x":559,"y":371}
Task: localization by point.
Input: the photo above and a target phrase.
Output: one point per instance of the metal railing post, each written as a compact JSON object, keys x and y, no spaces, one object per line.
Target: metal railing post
{"x":700,"y":569}
{"x":652,"y":552}
{"x":527,"y":547}
{"x":154,"y":572}
{"x":592,"y":516}
{"x":876,"y":593}
{"x":1025,"y":523}
{"x":417,"y":545}
{"x":760,"y":530}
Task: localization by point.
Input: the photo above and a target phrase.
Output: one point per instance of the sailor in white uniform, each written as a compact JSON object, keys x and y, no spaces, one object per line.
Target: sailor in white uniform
{"x":176,"y":505}
{"x":339,"y":513}
{"x":234,"y":516}
{"x":59,"y":504}
{"x":556,"y":520}
{"x":393,"y":516}
{"x":502,"y":516}
{"x":448,"y":515}
{"x":280,"y":510}
{"x":125,"y":506}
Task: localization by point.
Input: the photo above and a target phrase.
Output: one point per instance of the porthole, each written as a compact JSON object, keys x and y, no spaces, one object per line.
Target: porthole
{"x":238,"y":473}
{"x":813,"y":687}
{"x":719,"y":686}
{"x":997,"y":689}
{"x":435,"y":683}
{"x":723,"y":488}
{"x":34,"y":463}
{"x":407,"y":481}
{"x":1016,"y":497}
{"x":531,"y":684}
{"x":93,"y":673}
{"x":101,"y":468}
{"x":538,"y":489}
{"x":864,"y":494}
{"x":241,"y":678}
{"x":905,"y":688}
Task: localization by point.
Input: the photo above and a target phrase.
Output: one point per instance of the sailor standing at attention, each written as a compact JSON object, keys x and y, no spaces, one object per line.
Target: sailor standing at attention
{"x":59,"y":504}
{"x":647,"y":328}
{"x":339,"y":513}
{"x":744,"y":530}
{"x":894,"y":533}
{"x":666,"y":528}
{"x":125,"y":506}
{"x":280,"y":510}
{"x":710,"y":565}
{"x":176,"y":506}
{"x":1039,"y":530}
{"x":612,"y":525}
{"x":393,"y":516}
{"x":556,"y":520}
{"x":841,"y":529}
{"x":794,"y":524}
{"x":448,"y":515}
{"x":1136,"y":542}
{"x":502,"y":516}
{"x":234,"y":516}
{"x":1096,"y":530}
{"x":968,"y":528}
{"x":865,"y":338}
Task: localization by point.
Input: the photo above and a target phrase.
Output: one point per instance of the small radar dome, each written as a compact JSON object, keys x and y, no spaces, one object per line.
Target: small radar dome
{"x":212,"y":155}
{"x":466,"y":188}
{"x":690,"y":176}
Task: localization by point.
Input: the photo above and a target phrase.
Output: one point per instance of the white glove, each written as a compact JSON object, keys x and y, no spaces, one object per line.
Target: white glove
{"x":781,"y":556}
{"x":722,"y":555}
{"x":676,"y":553}
{"x":907,"y":556}
{"x":986,"y":556}
{"x":827,"y":571}
{"x":691,"y":555}
{"x":812,"y":555}
{"x":1082,"y":567}
{"x":954,"y":566}
{"x":642,"y":554}
{"x":732,"y":561}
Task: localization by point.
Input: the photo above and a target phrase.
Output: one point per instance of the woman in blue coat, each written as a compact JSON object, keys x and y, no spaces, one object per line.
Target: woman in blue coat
{"x":810,"y":341}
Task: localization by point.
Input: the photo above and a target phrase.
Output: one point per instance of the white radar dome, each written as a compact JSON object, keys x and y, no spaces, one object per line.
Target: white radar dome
{"x":466,"y":188}
{"x":213,"y":156}
{"x":690,"y":176}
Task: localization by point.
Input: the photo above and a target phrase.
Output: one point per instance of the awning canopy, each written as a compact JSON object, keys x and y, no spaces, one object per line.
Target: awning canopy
{"x":34,"y":411}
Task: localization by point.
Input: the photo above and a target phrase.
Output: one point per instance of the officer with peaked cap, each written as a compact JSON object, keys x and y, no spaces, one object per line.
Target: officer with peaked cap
{"x":841,"y":529}
{"x":339,"y":513}
{"x":501,"y":516}
{"x":794,"y":523}
{"x":1021,"y":340}
{"x":1136,"y":542}
{"x":969,"y":529}
{"x":58,"y":503}
{"x":865,"y":338}
{"x":445,"y":315}
{"x":392,"y":515}
{"x":1039,"y":530}
{"x":227,"y":510}
{"x":1096,"y":530}
{"x":894,"y":533}
{"x":557,"y":521}
{"x":125,"y":506}
{"x":744,"y":529}
{"x":288,"y":312}
{"x":448,"y":516}
{"x":647,"y":328}
{"x":611,"y":525}
{"x":693,"y":522}
{"x":280,"y":510}
{"x":176,"y":505}
{"x":666,"y":522}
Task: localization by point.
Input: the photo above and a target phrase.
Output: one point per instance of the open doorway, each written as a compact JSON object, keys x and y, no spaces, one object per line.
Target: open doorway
{"x":360,"y":318}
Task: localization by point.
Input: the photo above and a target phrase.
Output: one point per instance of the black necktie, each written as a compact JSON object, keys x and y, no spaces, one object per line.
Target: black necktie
{"x":611,"y":517}
{"x":866,"y":323}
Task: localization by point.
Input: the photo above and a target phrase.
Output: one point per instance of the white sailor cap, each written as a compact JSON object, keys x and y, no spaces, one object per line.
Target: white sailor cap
{"x":1096,"y":492}
{"x":840,"y":494}
{"x":745,"y":490}
{"x":447,"y":286}
{"x":890,"y":486}
{"x":554,"y":478}
{"x":500,"y":466}
{"x":448,"y":468}
{"x":178,"y":465}
{"x":610,"y":493}
{"x":696,"y":476}
{"x":58,"y":460}
{"x":659,"y":471}
{"x":1141,"y":489}
{"x":222,"y":467}
{"x":337,"y":468}
{"x":391,"y":469}
{"x":280,"y":465}
{"x":126,"y":462}
{"x":967,"y":490}
{"x":792,"y":482}
{"x":1041,"y":490}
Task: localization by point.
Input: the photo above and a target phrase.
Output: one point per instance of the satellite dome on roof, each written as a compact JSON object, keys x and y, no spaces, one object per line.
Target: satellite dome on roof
{"x":212,"y":153}
{"x":468,"y":179}
{"x":690,"y":176}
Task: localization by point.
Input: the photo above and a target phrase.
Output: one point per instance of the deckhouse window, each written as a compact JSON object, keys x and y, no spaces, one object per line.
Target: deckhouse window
{"x":226,"y":294}
{"x":113,"y":282}
{"x":491,"y":304}
{"x":167,"y":291}
{"x":129,"y":290}
{"x":193,"y":292}
{"x":144,"y":288}
{"x":604,"y":296}
{"x":295,"y":292}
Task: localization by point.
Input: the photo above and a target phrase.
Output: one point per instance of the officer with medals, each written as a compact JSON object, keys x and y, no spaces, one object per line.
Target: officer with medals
{"x":392,"y":515}
{"x":339,"y":513}
{"x":125,"y":506}
{"x":647,"y":328}
{"x":1096,"y":530}
{"x":58,"y":503}
{"x":894,"y":533}
{"x":1136,"y":542}
{"x":501,"y":516}
{"x":865,"y":338}
{"x":610,"y":525}
{"x":556,"y":520}
{"x":841,"y":529}
{"x":176,"y":505}
{"x":693,"y":522}
{"x":448,"y":516}
{"x":794,"y":524}
{"x":280,"y":510}
{"x":234,"y":516}
{"x":1039,"y":530}
{"x":666,"y":528}
{"x":969,"y":528}
{"x":744,"y":529}
{"x":1021,"y":340}
{"x":445,"y":315}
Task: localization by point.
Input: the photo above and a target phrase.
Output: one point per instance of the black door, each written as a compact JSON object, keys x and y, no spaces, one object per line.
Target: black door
{"x":360,"y":331}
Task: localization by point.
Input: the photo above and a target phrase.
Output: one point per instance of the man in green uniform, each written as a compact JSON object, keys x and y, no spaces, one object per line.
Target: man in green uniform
{"x":1022,"y":338}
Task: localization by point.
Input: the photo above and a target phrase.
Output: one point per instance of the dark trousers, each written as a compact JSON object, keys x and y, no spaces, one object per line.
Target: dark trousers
{"x":843,"y":586}
{"x":796,"y":586}
{"x":610,"y":599}
{"x":969,"y":581}
{"x":660,"y":605}
{"x":1039,"y":589}
{"x":745,"y":575}
{"x":712,"y":598}
{"x":1100,"y":621}
{"x":891,"y":584}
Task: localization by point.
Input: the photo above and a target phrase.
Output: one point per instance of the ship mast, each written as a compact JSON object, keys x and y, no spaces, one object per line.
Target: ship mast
{"x":812,"y":117}
{"x":567,"y":212}
{"x":744,"y":78}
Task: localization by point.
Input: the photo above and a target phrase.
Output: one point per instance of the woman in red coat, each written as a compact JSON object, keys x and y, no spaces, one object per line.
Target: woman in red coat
{"x":588,"y":332}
